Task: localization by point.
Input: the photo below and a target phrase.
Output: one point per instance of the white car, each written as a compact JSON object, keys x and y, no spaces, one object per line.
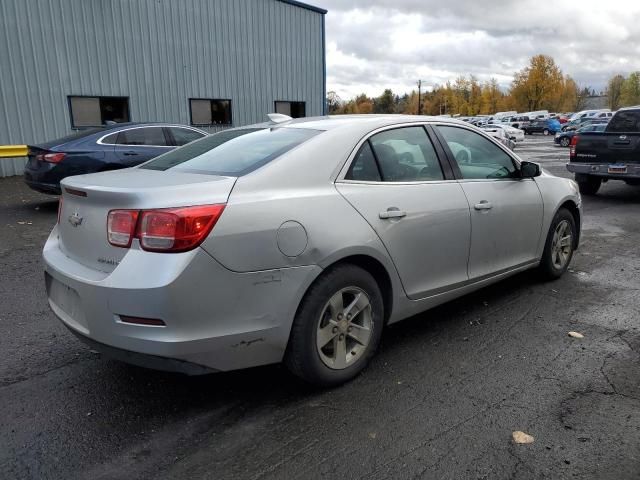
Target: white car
{"x":500,"y":134}
{"x":511,"y":131}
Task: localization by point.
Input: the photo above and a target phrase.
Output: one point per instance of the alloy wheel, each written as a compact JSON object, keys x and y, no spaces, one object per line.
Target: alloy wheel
{"x":562,"y":245}
{"x":344,"y":328}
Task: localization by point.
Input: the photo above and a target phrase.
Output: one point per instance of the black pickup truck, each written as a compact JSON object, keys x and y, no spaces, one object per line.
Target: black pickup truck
{"x":614,"y":154}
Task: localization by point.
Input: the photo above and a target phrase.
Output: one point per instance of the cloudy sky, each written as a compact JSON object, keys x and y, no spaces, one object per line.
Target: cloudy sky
{"x":377,"y":44}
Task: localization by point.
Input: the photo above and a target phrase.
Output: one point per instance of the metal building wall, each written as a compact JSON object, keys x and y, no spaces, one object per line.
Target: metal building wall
{"x":159,"y":53}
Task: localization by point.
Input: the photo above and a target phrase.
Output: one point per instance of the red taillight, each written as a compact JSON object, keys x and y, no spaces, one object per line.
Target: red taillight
{"x":163,"y":230}
{"x":51,"y":157}
{"x":121,"y":227}
{"x":572,"y":146}
{"x":176,"y":229}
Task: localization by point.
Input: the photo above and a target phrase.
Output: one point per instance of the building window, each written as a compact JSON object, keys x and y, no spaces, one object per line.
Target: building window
{"x":293,"y":109}
{"x":97,"y":111}
{"x":206,"y":111}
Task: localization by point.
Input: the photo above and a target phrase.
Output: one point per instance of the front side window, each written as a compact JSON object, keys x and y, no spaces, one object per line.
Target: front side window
{"x":207,"y":112}
{"x":97,"y":111}
{"x":150,"y":136}
{"x":292,"y":109}
{"x":476,"y":156}
{"x":406,"y":155}
{"x":232,"y":152}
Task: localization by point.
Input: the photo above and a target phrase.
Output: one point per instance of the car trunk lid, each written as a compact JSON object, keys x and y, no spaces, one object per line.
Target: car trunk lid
{"x":87,"y":200}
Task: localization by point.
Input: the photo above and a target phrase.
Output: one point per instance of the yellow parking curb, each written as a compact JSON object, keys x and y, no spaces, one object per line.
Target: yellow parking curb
{"x":10,"y":151}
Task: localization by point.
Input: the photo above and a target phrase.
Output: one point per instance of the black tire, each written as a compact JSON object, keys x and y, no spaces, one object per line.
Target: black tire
{"x":548,"y":267}
{"x":588,"y":184}
{"x":564,"y":141}
{"x":545,"y":132}
{"x":302,"y":357}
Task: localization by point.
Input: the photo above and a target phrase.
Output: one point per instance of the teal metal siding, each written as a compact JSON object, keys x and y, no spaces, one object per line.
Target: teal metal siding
{"x":159,"y":53}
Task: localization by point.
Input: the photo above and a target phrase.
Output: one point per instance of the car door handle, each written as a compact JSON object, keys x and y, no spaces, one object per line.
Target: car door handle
{"x":392,"y":212}
{"x":483,"y":205}
{"x":130,"y":153}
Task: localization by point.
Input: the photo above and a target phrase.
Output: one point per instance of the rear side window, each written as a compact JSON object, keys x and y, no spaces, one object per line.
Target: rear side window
{"x":364,"y":166}
{"x":182,"y":136}
{"x":232,"y":152}
{"x":625,"y":122}
{"x":153,"y":136}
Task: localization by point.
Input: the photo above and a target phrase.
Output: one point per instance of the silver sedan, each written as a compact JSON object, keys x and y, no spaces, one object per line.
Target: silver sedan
{"x":298,"y":241}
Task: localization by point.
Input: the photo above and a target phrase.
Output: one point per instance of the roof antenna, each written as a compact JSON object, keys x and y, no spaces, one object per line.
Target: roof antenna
{"x":279,"y":117}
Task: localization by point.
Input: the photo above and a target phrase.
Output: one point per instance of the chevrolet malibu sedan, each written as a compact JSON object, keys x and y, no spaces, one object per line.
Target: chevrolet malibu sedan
{"x":297,"y":241}
{"x":119,"y":145}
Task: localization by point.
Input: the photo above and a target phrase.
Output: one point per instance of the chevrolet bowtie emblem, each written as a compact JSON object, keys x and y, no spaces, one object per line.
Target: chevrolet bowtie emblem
{"x":75,"y":219}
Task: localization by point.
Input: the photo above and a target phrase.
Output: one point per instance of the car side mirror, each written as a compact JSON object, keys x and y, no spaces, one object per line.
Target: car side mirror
{"x":529,"y":170}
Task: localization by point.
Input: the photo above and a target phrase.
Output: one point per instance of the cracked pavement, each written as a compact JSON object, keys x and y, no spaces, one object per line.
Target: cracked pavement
{"x":440,"y":400}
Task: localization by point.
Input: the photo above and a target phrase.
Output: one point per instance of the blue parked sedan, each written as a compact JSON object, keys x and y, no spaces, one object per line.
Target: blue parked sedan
{"x":110,"y":147}
{"x":564,"y":138}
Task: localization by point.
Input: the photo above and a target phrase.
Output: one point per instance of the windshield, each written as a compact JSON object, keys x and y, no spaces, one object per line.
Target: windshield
{"x":232,"y":152}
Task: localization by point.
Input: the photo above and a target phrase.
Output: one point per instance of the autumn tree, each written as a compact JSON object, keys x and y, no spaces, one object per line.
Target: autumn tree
{"x":630,"y":90}
{"x":535,"y":87}
{"x":491,"y":97}
{"x":385,"y":103}
{"x":614,"y":91}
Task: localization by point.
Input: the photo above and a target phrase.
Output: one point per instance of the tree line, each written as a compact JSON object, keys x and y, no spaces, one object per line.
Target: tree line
{"x":624,"y":91}
{"x":541,"y":85}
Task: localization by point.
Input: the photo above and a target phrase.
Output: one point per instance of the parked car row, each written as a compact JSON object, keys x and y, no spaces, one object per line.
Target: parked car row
{"x":541,"y":121}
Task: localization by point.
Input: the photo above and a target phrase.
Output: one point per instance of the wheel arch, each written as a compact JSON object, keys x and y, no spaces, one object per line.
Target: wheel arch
{"x":571,"y":206}
{"x":369,"y":262}
{"x":379,"y":274}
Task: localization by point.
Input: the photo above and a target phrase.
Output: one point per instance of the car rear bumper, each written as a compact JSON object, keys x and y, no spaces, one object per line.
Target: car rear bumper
{"x":43,"y":177}
{"x":602,"y":170}
{"x":215,"y":318}
{"x":50,"y":188}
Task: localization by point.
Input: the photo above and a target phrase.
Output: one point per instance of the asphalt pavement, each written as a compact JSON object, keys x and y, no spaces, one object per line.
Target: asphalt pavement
{"x":439,"y":401}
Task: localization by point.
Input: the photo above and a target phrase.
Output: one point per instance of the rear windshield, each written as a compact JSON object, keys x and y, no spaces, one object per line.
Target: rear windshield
{"x":626,"y":121}
{"x":80,"y":134}
{"x":232,"y":152}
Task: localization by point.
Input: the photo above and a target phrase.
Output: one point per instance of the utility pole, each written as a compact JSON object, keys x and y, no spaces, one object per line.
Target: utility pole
{"x":419,"y":99}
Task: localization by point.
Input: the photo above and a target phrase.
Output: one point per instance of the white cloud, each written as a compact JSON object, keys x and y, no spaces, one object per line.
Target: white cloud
{"x":377,"y":44}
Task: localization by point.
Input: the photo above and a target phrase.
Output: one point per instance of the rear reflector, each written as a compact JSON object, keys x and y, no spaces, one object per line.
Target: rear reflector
{"x":121,"y":227}
{"x":142,"y":321}
{"x":73,"y":191}
{"x":163,"y":230}
{"x":51,"y":157}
